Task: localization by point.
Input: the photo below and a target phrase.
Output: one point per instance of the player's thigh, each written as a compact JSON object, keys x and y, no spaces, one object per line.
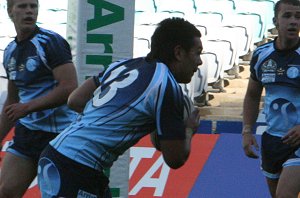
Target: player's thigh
{"x":289,"y":182}
{"x":272,"y":185}
{"x":16,"y":172}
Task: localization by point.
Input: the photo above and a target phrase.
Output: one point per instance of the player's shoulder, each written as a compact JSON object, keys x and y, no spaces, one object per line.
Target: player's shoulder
{"x":48,"y":35}
{"x":264,"y":48}
{"x":11,"y":44}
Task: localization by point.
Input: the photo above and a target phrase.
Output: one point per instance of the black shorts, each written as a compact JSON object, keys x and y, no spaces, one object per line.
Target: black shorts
{"x":274,"y":153}
{"x":29,"y":143}
{"x":59,"y":176}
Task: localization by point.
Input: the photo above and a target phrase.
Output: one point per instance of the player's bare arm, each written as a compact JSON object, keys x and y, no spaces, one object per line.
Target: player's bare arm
{"x":58,"y":96}
{"x":81,"y":95}
{"x":180,"y":147}
{"x":251,"y":110}
{"x":292,"y":137}
{"x":12,"y":97}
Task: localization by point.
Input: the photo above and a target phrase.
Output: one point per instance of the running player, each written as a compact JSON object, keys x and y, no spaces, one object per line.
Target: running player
{"x":129,"y":100}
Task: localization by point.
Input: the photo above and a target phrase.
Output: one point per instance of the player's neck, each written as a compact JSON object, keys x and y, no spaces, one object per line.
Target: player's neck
{"x":24,"y":34}
{"x":286,"y":44}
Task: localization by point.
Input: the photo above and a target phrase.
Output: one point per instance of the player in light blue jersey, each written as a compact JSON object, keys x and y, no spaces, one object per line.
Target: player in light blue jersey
{"x":36,"y":63}
{"x":129,"y":100}
{"x":275,"y":66}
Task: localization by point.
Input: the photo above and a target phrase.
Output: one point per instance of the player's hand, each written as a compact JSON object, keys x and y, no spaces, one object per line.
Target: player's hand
{"x":248,"y":143}
{"x":1,"y":155}
{"x":292,"y":138}
{"x":154,"y":140}
{"x":16,"y":111}
{"x":193,"y":120}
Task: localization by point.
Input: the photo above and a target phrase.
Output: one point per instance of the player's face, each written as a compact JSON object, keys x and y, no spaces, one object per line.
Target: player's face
{"x":189,"y":62}
{"x":288,"y":22}
{"x":24,"y":13}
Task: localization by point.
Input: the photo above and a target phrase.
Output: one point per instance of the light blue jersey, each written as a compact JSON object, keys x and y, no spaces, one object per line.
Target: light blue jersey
{"x":135,"y":98}
{"x":29,"y":65}
{"x":279,"y":72}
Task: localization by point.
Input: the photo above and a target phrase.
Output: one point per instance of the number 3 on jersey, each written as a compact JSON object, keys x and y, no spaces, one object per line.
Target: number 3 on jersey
{"x":100,"y":99}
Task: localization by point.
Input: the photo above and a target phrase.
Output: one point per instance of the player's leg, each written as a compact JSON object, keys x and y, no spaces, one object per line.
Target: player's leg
{"x":272,"y":185}
{"x":289,"y":182}
{"x":16,"y":175}
{"x":59,"y":176}
{"x":273,"y":154}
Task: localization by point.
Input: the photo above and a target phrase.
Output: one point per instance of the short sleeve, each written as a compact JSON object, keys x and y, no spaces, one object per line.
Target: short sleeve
{"x":58,"y":51}
{"x":252,"y":66}
{"x":169,"y":117}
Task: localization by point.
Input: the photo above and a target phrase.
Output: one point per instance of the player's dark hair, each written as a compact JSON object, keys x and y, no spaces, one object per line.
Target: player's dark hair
{"x":290,"y":2}
{"x":10,"y":3}
{"x":168,"y":34}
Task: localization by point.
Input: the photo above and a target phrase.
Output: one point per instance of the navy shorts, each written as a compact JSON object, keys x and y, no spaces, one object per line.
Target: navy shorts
{"x":29,"y":143}
{"x":274,"y":153}
{"x":59,"y":176}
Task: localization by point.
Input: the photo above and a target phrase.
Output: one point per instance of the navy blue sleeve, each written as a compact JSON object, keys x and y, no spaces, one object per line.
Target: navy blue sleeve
{"x":252,"y":65}
{"x":58,"y":51}
{"x":171,"y":116}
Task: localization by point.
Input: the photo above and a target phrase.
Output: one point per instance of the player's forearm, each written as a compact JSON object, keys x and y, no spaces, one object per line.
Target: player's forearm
{"x":250,"y":112}
{"x":155,"y":141}
{"x":5,"y":124}
{"x":188,"y":140}
{"x":57,"y":97}
{"x":80,"y":96}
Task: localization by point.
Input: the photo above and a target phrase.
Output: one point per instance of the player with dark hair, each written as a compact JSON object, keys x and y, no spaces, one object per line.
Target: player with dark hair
{"x":127,"y":101}
{"x":275,"y":66}
{"x":36,"y":63}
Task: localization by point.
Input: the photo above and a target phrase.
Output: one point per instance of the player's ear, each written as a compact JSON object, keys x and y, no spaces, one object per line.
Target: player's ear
{"x":9,"y":13}
{"x":275,"y":22}
{"x":178,"y":52}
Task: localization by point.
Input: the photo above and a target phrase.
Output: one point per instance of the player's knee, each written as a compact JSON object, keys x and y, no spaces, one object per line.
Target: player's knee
{"x":285,"y":193}
{"x":7,"y":191}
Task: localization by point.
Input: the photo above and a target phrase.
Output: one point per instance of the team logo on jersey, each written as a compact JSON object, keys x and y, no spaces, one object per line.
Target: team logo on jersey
{"x":286,"y":111}
{"x":268,"y":77}
{"x":11,"y":66}
{"x":46,"y":170}
{"x":298,"y":154}
{"x":31,"y":64}
{"x":280,"y":71}
{"x":269,"y":66}
{"x":21,"y":67}
{"x":292,"y":72}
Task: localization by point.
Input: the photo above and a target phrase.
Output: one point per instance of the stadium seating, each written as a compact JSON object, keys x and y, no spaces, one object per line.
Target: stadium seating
{"x":184,"y":6}
{"x":141,"y":47}
{"x":221,"y":6}
{"x":224,"y":51}
{"x":144,"y":12}
{"x":214,"y":69}
{"x":244,"y":39}
{"x":144,"y":31}
{"x":212,"y":21}
{"x":268,"y":7}
{"x":200,"y":79}
{"x":247,"y":11}
{"x":145,"y":6}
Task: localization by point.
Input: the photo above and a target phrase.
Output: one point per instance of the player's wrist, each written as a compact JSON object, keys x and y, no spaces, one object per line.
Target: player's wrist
{"x":189,"y":131}
{"x":247,"y":129}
